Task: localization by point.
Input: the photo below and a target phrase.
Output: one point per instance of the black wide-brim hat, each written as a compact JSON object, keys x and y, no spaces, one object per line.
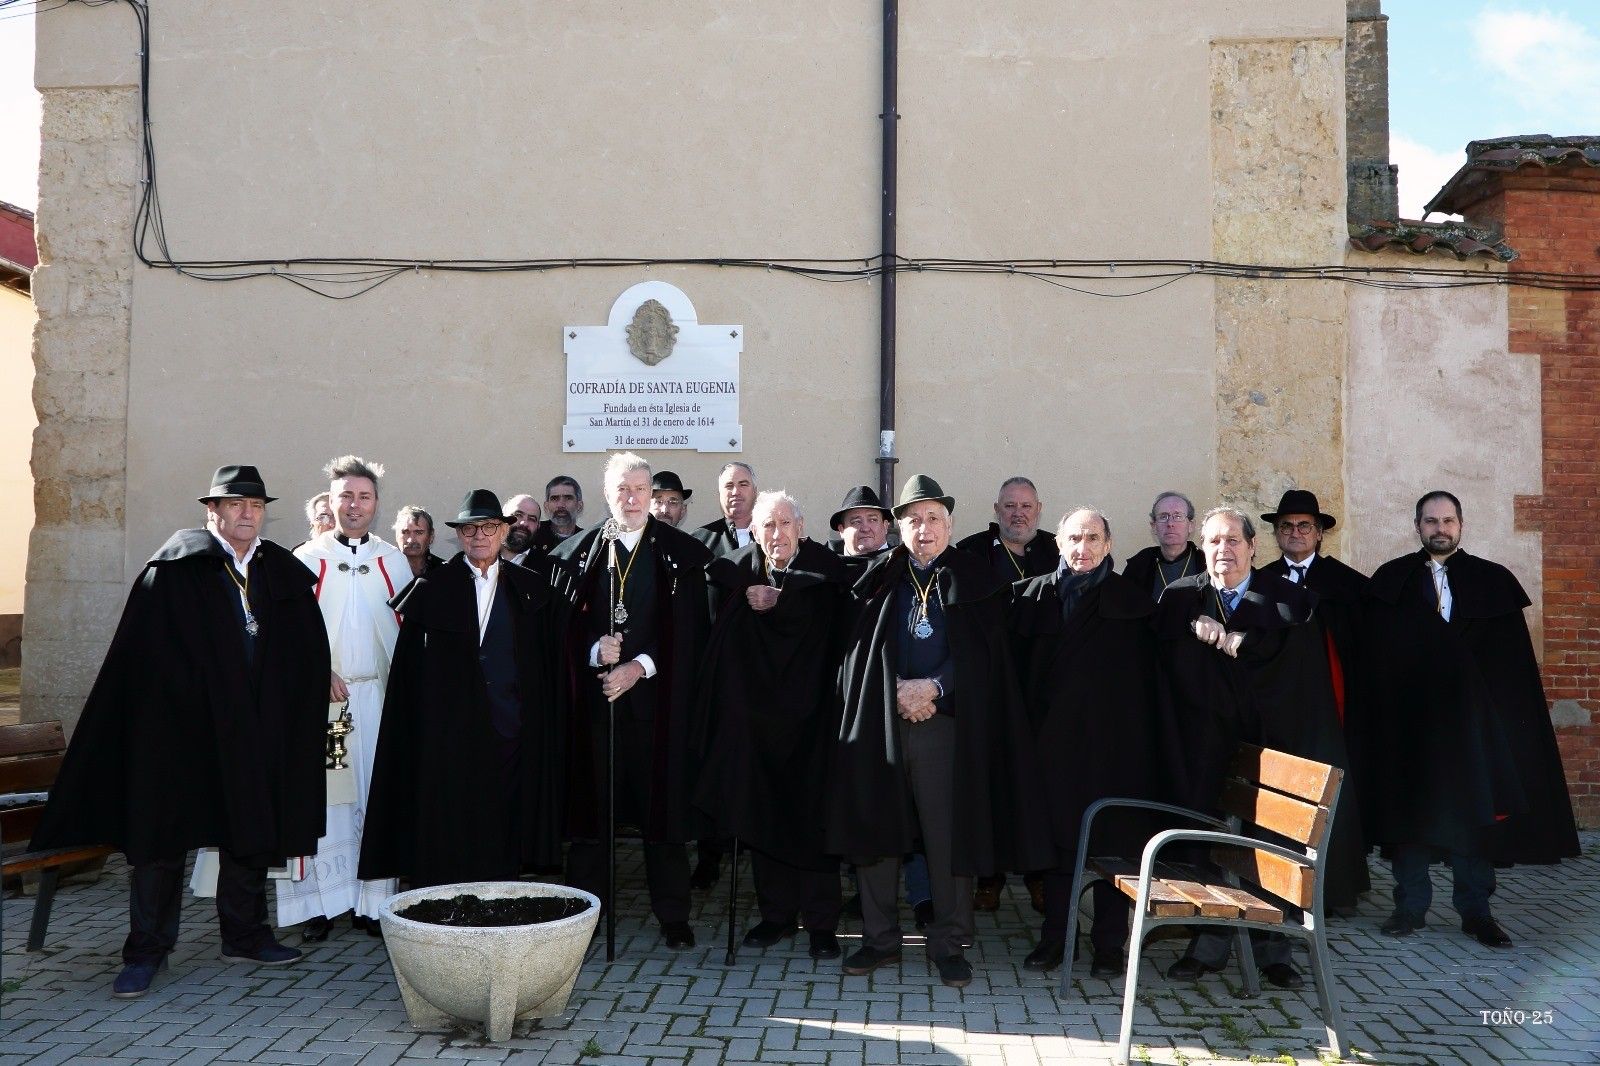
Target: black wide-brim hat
{"x":237,"y":483}
{"x":920,"y":488}
{"x":667,"y":481}
{"x":857,"y":498}
{"x":479,"y":505}
{"x":1300,"y":501}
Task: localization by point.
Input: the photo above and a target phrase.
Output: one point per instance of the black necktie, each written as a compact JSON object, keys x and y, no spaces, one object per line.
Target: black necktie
{"x":1297,"y":572}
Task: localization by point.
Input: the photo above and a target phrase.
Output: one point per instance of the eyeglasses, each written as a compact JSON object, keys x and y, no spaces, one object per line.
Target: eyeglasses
{"x":1168,"y":517}
{"x":1297,"y":527}
{"x":486,"y":529}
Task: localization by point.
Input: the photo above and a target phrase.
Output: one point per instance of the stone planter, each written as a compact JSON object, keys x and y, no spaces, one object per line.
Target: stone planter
{"x":493,"y":976}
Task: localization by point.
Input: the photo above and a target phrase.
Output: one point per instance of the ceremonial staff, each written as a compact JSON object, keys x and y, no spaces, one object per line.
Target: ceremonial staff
{"x":610,"y":531}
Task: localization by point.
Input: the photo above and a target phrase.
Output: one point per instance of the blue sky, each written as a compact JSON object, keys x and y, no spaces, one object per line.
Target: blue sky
{"x":1458,"y":70}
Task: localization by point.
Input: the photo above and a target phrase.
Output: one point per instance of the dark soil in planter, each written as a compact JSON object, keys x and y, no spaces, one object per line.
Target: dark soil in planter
{"x":474,"y":911}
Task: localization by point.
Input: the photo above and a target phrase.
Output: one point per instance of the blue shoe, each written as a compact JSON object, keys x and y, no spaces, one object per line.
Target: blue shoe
{"x":134,"y":980}
{"x":270,"y":953}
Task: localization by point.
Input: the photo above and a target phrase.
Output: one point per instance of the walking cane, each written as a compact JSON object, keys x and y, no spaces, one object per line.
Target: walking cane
{"x":733,"y":908}
{"x":610,"y":533}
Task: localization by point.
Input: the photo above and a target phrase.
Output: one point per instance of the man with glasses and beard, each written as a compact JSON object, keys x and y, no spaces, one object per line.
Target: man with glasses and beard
{"x":1452,"y":730}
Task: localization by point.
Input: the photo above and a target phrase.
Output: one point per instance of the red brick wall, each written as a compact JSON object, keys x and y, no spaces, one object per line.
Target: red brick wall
{"x":1552,"y":218}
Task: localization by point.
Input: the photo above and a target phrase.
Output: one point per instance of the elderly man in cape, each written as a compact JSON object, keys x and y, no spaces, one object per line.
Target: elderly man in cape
{"x":934,"y":741}
{"x":767,"y":701}
{"x":205,"y":728}
{"x":635,"y":628}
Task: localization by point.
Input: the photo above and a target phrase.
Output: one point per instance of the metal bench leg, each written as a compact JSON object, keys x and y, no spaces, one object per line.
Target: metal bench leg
{"x":1246,"y":950}
{"x":1072,"y":931}
{"x":1327,"y":997}
{"x":41,"y":907}
{"x":1130,"y":990}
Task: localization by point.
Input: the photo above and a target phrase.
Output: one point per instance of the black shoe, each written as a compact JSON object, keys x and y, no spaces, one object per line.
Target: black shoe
{"x":706,"y":872}
{"x":865,"y":960}
{"x":315,"y":930}
{"x":677,"y":935}
{"x":824,"y":945}
{"x":852,"y":906}
{"x":1400,"y":924}
{"x":1487,"y":930}
{"x":271,"y":953}
{"x":766,"y":934}
{"x":1047,"y":956}
{"x":1105,"y":966}
{"x":1283,"y":975}
{"x":924,"y":914}
{"x":134,"y":980}
{"x":954,"y":970}
{"x":1189,"y":968}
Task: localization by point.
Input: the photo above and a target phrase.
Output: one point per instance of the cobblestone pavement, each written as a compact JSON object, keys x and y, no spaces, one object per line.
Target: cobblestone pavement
{"x":1417,"y":1000}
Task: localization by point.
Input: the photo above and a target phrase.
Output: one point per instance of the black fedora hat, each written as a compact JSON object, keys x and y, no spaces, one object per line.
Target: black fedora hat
{"x":920,"y":488}
{"x":479,"y":505}
{"x":667,"y":481}
{"x":856,"y":498}
{"x":237,"y":482}
{"x":1300,"y":501}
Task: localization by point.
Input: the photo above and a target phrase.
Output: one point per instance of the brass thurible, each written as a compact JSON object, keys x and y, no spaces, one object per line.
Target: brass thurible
{"x":338,"y":729}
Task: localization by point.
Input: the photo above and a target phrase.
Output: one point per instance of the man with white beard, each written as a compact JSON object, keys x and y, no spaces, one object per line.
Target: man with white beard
{"x":358,"y":573}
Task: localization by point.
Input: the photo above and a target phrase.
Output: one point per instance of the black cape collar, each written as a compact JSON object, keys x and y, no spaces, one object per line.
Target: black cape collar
{"x":962,"y":576}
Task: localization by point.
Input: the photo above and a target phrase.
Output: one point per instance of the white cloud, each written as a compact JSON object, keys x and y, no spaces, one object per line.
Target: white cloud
{"x":1423,"y":172}
{"x":1543,"y":63}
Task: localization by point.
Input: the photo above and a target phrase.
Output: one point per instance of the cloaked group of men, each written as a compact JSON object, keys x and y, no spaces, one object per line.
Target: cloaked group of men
{"x":888,"y":697}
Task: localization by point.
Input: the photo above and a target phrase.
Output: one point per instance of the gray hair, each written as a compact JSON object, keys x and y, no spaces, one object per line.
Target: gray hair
{"x":1104,"y":521}
{"x":766,"y":501}
{"x":563,"y":479}
{"x":1175,"y":494}
{"x":620,"y":465}
{"x":1018,"y":480}
{"x":746,"y":467}
{"x":410,"y":512}
{"x":353,"y":466}
{"x":1247,"y":527}
{"x":311,"y":505}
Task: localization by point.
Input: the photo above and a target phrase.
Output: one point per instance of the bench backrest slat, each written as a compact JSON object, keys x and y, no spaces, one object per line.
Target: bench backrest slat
{"x":34,"y":774}
{"x":18,"y":823}
{"x":1285,"y":815}
{"x":1284,"y":879}
{"x":32,"y":738}
{"x":1292,"y":775}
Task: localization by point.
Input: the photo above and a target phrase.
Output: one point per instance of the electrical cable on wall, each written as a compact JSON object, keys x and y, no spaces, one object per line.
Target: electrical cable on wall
{"x":343,"y":277}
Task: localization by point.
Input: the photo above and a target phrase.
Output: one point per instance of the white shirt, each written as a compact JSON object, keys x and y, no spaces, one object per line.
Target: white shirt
{"x":1240,"y":588}
{"x":741,"y":537}
{"x":484,"y":585}
{"x":629,"y":539}
{"x":1441,"y":588}
{"x":1299,"y":575}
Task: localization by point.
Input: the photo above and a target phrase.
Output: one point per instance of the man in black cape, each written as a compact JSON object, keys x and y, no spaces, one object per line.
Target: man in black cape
{"x":862,"y":523}
{"x":1246,"y":668}
{"x":934,"y":740}
{"x":205,"y":728}
{"x":1091,"y":678}
{"x":466,"y":785}
{"x":1454,"y":734}
{"x":1173,"y":556}
{"x":767,"y":703}
{"x":635,"y":629}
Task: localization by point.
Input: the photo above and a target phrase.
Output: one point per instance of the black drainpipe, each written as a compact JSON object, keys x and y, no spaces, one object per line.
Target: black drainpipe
{"x":887,"y":257}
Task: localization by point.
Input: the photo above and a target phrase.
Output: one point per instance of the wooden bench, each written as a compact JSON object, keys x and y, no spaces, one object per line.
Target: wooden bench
{"x":1250,"y":883}
{"x":30,"y":758}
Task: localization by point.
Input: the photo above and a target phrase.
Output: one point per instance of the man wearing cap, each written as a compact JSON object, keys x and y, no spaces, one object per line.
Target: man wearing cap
{"x":862,"y":523}
{"x":669,"y":500}
{"x":357,"y":573}
{"x":634,"y":632}
{"x":1452,"y":729}
{"x":767,"y":709}
{"x":205,"y":728}
{"x":933,"y":743}
{"x":466,"y":782}
{"x":1173,"y":556}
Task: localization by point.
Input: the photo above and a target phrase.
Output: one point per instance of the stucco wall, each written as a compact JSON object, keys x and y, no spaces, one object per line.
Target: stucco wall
{"x":16,"y":435}
{"x":479,"y":129}
{"x":1437,"y":402}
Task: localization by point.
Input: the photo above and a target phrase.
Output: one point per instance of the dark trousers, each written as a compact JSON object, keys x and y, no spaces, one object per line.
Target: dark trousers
{"x":929,"y":754}
{"x":666,"y":865}
{"x":1472,"y":876}
{"x":783,"y":891}
{"x":1111,"y":913}
{"x":1214,"y":946}
{"x":155,"y":894}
